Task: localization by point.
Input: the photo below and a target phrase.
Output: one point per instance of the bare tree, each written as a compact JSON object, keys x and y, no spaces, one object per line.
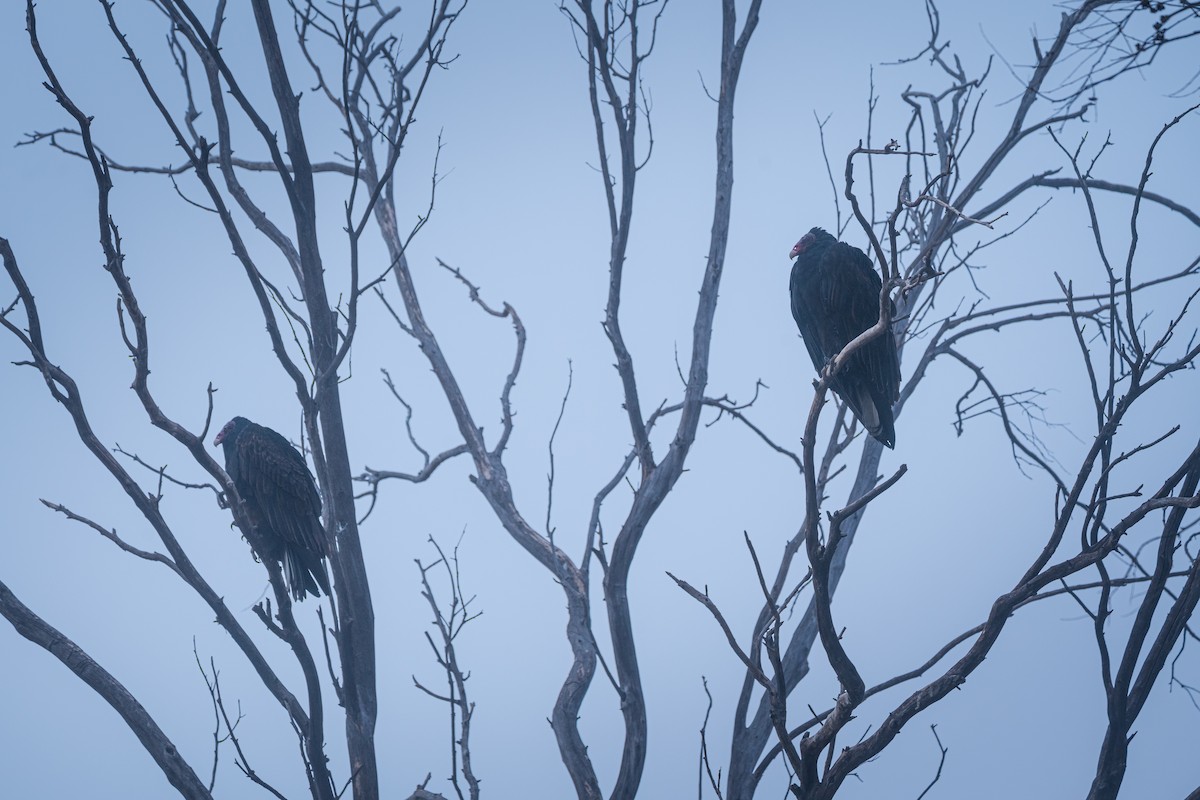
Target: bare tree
{"x":371,"y":66}
{"x":322,"y":333}
{"x":919,"y":243}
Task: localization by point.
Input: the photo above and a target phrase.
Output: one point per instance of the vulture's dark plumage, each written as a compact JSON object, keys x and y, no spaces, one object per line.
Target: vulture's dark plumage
{"x":281,"y":501}
{"x":835,"y":297}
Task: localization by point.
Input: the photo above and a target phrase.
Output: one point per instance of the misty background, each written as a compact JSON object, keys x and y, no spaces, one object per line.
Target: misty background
{"x":520,"y":210}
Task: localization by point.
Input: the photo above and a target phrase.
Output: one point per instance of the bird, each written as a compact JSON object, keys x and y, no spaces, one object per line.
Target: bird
{"x":280,"y":499}
{"x":835,"y":297}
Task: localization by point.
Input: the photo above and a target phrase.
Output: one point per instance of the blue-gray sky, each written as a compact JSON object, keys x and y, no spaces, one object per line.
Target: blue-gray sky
{"x":520,"y":210}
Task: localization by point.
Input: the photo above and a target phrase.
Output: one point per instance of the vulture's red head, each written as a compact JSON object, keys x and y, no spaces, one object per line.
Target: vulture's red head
{"x":807,"y":241}
{"x":231,"y":428}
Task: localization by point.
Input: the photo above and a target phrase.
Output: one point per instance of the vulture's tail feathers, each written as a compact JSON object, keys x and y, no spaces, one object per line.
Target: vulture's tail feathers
{"x":873,"y":412}
{"x":300,"y":576}
{"x":887,"y":424}
{"x":318,"y":570}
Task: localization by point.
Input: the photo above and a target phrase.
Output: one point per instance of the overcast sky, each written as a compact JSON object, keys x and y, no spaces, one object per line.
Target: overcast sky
{"x":521,"y":211}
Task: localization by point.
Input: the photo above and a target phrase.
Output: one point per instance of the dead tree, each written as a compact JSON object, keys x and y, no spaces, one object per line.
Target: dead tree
{"x":919,"y":243}
{"x":613,"y":39}
{"x":322,"y":333}
{"x":372,"y":79}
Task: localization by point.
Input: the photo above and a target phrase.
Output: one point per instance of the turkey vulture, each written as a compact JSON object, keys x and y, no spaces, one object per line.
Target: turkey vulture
{"x":281,"y":502}
{"x":835,"y":297}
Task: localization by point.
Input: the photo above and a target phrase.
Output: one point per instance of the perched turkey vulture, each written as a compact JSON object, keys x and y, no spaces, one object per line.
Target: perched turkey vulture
{"x":281,"y":501}
{"x":835,"y":297}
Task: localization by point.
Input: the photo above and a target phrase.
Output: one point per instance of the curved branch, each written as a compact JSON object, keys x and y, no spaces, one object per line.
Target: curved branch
{"x":139,"y":721}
